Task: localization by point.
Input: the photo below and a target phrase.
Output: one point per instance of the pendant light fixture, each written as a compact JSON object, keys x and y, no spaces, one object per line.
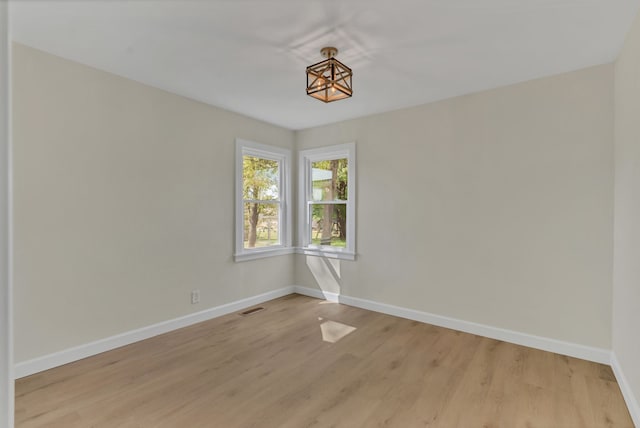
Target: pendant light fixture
{"x":329,"y":80}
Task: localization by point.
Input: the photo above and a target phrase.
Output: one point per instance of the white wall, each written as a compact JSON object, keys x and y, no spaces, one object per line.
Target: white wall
{"x":6,"y":365}
{"x":123,"y":197}
{"x":626,"y":284}
{"x":494,"y":208}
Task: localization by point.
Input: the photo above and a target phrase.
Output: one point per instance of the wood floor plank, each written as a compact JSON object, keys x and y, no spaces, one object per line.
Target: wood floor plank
{"x":303,"y":362}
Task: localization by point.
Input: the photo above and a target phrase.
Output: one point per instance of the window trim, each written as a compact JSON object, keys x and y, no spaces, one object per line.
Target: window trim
{"x":305,"y":158}
{"x":282,"y":155}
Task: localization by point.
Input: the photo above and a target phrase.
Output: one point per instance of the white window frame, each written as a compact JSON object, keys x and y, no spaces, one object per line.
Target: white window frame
{"x":305,"y":159}
{"x":283,"y":156}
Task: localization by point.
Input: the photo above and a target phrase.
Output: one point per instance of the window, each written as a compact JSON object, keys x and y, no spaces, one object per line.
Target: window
{"x":327,"y":199}
{"x":263,"y":213}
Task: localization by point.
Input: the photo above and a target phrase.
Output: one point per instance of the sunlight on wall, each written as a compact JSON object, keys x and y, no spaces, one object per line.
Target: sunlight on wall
{"x":326,"y":273}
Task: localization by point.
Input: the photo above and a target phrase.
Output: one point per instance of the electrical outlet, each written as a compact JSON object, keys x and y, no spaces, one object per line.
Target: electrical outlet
{"x":195,"y":296}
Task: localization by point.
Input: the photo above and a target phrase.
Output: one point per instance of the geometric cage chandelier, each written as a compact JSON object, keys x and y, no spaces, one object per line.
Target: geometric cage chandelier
{"x":329,"y":80}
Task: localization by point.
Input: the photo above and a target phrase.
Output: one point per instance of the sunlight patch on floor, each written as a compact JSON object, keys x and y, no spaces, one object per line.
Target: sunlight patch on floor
{"x":333,"y":331}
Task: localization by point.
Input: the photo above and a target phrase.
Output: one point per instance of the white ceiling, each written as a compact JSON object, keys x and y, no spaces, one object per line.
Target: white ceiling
{"x":249,"y":56}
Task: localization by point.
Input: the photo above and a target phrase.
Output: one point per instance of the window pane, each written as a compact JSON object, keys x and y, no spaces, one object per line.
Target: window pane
{"x":260,"y":178}
{"x":329,"y":224}
{"x":261,"y":224}
{"x":329,"y":180}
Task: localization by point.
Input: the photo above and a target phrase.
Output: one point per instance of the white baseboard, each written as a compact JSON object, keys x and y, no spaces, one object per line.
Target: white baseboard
{"x":318,"y":294}
{"x":597,"y":355}
{"x":56,"y":359}
{"x":46,"y":362}
{"x":629,"y":397}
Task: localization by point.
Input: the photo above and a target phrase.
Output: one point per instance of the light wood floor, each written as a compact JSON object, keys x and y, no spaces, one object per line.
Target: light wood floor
{"x":273,"y":369}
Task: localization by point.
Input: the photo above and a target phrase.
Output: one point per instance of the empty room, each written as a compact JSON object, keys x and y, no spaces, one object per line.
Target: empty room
{"x":331,"y":213}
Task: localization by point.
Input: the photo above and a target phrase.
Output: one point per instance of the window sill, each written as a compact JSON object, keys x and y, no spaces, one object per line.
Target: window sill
{"x":260,"y":254}
{"x":309,"y":251}
{"x":329,"y":254}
